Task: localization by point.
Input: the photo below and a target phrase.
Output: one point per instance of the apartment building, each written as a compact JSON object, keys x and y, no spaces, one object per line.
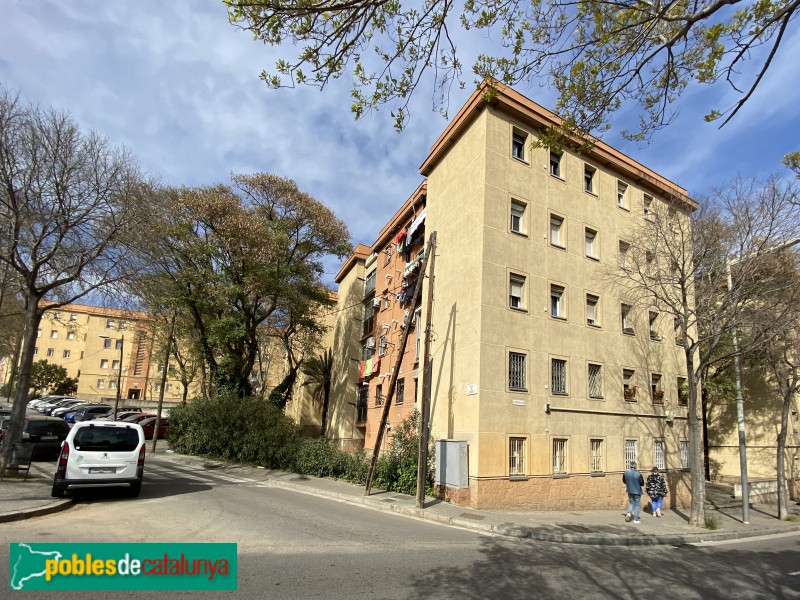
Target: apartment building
{"x":552,"y":378}
{"x":101,"y":347}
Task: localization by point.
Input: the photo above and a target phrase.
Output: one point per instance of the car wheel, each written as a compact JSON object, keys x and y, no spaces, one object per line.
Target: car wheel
{"x":135,"y":489}
{"x":57,"y":492}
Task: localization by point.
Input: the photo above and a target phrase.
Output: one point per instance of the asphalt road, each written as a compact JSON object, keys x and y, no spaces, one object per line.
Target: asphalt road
{"x":293,"y":545}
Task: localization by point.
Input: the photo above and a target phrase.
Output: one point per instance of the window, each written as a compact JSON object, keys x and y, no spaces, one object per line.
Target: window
{"x":388,"y":253}
{"x":115,"y":365}
{"x":555,"y":164}
{"x":53,"y":334}
{"x":112,"y":385}
{"x":38,"y":333}
{"x":70,"y":335}
{"x":73,"y":317}
{"x":647,"y":206}
{"x":683,"y":392}
{"x":656,"y":390}
{"x":516,"y":371}
{"x":361,"y":405}
{"x":557,"y":308}
{"x":107,"y":343}
{"x":158,"y":387}
{"x":401,"y":391}
{"x":66,"y":353}
{"x":516,"y":456}
{"x":588,"y":178}
{"x":628,"y":389}
{"x":659,"y":454}
{"x":517,"y":216}
{"x":592,"y":314}
{"x":101,"y":384}
{"x":109,"y":323}
{"x":36,"y":350}
{"x":516,"y":288}
{"x":51,"y":352}
{"x":123,"y":324}
{"x":558,"y":376}
{"x":676,"y":323}
{"x":369,"y":318}
{"x":595,"y":376}
{"x":648,"y":266}
{"x":160,"y":368}
{"x":684,"y":450}
{"x":104,"y":363}
{"x":591,"y":237}
{"x":379,"y":396}
{"x":623,"y":254}
{"x":622,"y":200}
{"x":627,"y":322}
{"x":596,"y":456}
{"x":518,"y":139}
{"x":631,"y":453}
{"x":118,"y":344}
{"x":382,"y":342}
{"x":556,"y":225}
{"x":559,"y":457}
{"x":652,"y":318}
{"x":169,"y":387}
{"x":369,"y":282}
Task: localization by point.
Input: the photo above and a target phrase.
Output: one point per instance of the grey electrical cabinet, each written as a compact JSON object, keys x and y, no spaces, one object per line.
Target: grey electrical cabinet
{"x":452,"y":466}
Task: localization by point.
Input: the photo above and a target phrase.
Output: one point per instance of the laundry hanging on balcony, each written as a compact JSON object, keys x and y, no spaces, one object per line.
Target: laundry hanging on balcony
{"x":368,"y":368}
{"x":415,"y":224}
{"x":412,"y":267}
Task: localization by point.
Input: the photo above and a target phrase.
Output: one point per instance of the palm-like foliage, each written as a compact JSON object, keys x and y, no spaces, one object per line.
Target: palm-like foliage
{"x":318,"y":371}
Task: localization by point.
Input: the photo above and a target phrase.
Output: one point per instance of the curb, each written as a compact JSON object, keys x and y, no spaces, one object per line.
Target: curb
{"x":507,"y":530}
{"x":47,"y":509}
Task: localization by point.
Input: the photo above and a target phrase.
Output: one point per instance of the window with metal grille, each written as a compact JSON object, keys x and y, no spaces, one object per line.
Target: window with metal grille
{"x":684,"y":448}
{"x":388,"y":253}
{"x":517,"y":216}
{"x":595,"y":381}
{"x":591,"y":236}
{"x":369,"y":282}
{"x":382,"y":341}
{"x":516,"y":286}
{"x":659,"y":454}
{"x":558,"y":376}
{"x":557,"y":301}
{"x":559,"y":456}
{"x":592,"y":315}
{"x":556,"y":225}
{"x":516,"y":371}
{"x":401,"y":391}
{"x":516,"y":456}
{"x":555,"y":164}
{"x":596,"y":456}
{"x":631,"y":453}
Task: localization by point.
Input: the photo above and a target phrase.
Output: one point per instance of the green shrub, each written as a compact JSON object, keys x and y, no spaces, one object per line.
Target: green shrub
{"x":711,"y":523}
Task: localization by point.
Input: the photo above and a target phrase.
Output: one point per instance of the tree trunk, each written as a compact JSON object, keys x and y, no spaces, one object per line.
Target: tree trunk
{"x":697,"y":517}
{"x":32,"y":319}
{"x":326,"y":398}
{"x":706,"y":460}
{"x":783,"y":500}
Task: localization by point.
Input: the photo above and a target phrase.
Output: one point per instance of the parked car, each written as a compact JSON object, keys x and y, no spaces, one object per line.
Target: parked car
{"x":61,"y":412}
{"x":126,"y":410}
{"x":148,"y":425}
{"x":43,"y":400}
{"x":101,"y":454}
{"x":45,"y":433}
{"x":49,"y":408}
{"x":137,"y":417}
{"x":87,"y":413}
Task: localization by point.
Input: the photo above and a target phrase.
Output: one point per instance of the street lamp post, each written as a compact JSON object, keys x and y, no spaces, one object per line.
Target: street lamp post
{"x":737,"y":369}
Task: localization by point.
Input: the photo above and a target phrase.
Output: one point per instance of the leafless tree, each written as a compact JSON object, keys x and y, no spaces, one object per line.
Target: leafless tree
{"x":70,"y":203}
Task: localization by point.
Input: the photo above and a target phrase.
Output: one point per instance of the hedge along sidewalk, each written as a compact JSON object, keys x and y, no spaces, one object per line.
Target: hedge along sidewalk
{"x":600,"y":527}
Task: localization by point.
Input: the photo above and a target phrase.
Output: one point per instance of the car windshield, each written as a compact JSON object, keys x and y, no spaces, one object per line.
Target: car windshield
{"x":114,"y":439}
{"x":40,"y":427}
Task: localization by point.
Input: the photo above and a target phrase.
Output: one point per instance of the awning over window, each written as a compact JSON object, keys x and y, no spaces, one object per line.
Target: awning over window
{"x":415,"y":224}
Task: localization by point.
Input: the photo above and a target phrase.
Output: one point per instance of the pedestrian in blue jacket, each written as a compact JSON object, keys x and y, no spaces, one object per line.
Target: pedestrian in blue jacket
{"x":633,"y":481}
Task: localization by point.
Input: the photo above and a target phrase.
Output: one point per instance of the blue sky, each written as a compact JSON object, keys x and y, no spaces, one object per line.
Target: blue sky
{"x":178,"y":85}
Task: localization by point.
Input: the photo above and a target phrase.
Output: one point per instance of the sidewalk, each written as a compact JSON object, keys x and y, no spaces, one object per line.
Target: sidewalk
{"x":24,"y":499}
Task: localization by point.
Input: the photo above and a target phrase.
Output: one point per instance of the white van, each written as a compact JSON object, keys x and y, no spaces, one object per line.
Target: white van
{"x":100,"y":454}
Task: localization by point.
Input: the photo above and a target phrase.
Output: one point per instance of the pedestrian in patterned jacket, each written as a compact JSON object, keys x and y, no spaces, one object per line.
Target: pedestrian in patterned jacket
{"x":656,"y":488}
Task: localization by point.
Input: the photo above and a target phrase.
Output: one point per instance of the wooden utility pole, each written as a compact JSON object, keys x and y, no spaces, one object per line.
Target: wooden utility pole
{"x":425,"y":405}
{"x":396,"y":371}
